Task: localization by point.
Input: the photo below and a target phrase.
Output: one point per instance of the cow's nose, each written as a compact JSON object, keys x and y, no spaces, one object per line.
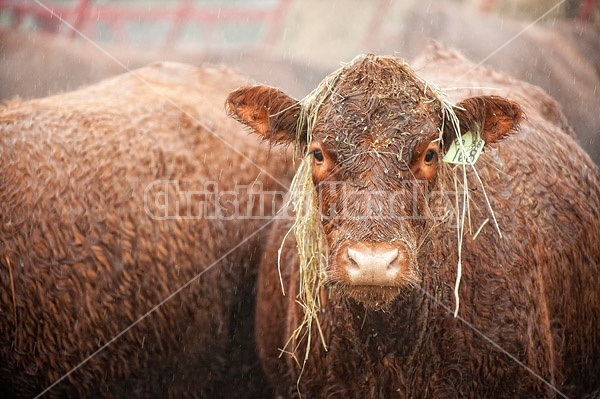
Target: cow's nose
{"x":378,"y":264}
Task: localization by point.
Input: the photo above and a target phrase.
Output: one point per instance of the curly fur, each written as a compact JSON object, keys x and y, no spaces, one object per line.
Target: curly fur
{"x":81,"y":260}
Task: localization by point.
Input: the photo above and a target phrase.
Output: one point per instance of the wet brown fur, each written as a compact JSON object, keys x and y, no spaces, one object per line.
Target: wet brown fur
{"x":81,"y":259}
{"x":532,"y":292}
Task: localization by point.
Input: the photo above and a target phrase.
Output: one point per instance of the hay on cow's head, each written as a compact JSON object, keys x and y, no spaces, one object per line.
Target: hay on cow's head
{"x":308,"y":230}
{"x":312,"y":253}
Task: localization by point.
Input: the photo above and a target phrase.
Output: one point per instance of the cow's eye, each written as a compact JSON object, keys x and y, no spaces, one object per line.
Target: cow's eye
{"x":322,"y":161}
{"x":425,"y":161}
{"x":318,"y":154}
{"x":430,"y":156}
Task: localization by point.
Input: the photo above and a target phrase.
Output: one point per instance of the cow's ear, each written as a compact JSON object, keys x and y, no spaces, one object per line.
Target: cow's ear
{"x":495,"y":118}
{"x":269,"y":112}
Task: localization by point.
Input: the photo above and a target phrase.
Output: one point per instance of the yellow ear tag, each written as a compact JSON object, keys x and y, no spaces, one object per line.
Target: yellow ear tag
{"x":466,"y":151}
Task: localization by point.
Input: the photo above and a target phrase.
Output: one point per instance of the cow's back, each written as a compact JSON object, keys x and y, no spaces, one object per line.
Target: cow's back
{"x":109,"y":208}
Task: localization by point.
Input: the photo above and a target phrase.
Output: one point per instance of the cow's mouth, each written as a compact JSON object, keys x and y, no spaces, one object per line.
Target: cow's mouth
{"x":373,"y":297}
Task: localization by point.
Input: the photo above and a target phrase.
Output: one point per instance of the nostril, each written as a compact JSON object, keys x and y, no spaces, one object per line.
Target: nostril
{"x":352,"y":265}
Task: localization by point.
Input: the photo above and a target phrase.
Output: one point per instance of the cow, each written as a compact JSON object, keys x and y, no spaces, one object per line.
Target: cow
{"x":130,"y":241}
{"x":445,"y":242}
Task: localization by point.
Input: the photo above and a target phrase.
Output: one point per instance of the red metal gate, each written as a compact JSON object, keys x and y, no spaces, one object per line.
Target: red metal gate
{"x":85,"y":15}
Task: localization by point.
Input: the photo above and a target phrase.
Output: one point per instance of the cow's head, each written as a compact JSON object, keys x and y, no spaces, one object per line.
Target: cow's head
{"x":375,"y":135}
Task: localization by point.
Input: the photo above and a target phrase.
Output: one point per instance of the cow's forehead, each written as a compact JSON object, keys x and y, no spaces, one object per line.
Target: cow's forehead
{"x":380,"y":75}
{"x":374,"y":100}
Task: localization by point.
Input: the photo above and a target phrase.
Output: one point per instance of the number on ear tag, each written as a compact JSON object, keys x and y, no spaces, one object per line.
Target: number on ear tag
{"x":466,"y":151}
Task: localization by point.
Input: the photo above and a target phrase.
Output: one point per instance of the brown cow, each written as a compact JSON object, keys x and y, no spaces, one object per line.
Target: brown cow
{"x":112,"y":199}
{"x":372,"y":279}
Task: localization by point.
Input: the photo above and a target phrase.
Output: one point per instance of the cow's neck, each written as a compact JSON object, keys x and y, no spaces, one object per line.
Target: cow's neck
{"x":394,"y":332}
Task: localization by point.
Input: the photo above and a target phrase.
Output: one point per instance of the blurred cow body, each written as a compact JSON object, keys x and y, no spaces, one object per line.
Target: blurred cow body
{"x":112,"y":227}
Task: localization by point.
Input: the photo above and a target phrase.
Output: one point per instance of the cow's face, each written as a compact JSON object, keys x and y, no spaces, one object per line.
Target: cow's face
{"x":377,"y":137}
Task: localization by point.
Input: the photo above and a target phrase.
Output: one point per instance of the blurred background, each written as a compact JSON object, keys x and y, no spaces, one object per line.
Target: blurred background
{"x":51,"y":46}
